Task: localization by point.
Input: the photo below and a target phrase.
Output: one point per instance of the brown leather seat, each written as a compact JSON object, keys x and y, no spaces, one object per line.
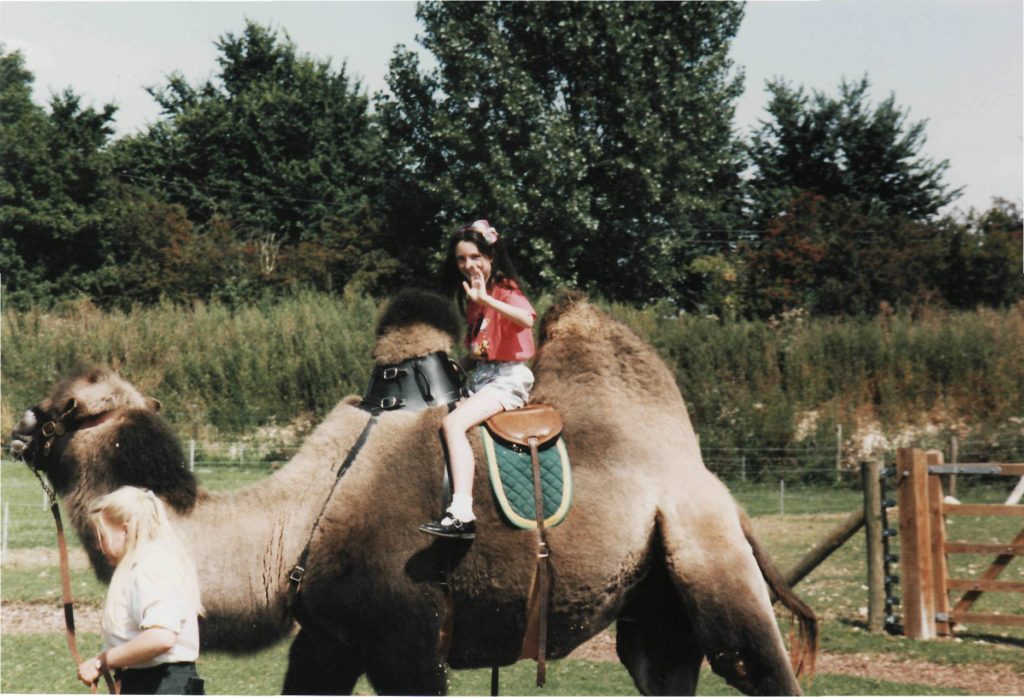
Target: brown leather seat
{"x":539,"y":421}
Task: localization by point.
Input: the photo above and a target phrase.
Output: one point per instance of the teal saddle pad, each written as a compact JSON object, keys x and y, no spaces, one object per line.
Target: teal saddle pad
{"x":511,"y":470}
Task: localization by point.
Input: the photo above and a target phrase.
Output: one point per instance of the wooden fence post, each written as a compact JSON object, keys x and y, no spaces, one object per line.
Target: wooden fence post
{"x":938,"y":545}
{"x":870,"y":473}
{"x":915,"y":544}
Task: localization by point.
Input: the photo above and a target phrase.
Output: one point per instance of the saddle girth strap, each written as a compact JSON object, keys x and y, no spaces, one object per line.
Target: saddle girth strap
{"x":299,"y":570}
{"x":535,"y":639}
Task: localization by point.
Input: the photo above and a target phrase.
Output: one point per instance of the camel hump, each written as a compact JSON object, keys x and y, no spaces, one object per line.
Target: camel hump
{"x":415,"y":323}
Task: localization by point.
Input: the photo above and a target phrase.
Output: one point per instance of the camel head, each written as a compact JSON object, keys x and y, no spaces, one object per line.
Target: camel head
{"x":96,"y":432}
{"x":415,"y":323}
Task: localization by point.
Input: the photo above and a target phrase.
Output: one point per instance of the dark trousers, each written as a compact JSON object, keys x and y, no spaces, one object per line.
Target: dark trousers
{"x":164,"y":679}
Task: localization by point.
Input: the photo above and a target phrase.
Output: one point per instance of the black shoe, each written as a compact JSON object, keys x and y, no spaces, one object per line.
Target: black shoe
{"x":450,"y":526}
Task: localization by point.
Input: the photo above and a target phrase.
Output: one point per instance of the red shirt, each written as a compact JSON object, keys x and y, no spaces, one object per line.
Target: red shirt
{"x":492,"y":336}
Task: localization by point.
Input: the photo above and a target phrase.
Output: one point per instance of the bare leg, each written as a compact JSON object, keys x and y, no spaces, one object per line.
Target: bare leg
{"x":471,"y":412}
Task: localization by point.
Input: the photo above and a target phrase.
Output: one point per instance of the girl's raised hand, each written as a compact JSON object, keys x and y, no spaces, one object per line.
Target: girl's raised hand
{"x":476,"y":289}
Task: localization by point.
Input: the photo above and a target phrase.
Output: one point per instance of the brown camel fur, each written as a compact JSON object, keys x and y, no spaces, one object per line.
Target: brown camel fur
{"x":653,"y":540}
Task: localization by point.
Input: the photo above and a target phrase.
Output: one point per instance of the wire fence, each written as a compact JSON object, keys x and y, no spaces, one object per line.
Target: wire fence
{"x":765,"y":480}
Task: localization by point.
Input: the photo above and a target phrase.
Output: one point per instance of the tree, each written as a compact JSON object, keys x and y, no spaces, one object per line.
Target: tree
{"x":983,"y":264}
{"x":280,"y":151}
{"x":54,"y":186}
{"x":842,"y":147}
{"x":596,"y":136}
{"x":842,"y":257}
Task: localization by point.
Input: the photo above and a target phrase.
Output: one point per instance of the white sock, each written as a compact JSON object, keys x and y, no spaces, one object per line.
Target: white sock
{"x":462,"y":507}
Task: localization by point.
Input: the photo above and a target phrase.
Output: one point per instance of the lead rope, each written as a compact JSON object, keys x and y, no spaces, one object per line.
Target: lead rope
{"x":65,"y":582}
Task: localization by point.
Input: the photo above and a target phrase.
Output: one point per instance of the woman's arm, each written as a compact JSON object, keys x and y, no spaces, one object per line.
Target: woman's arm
{"x":148,"y":645}
{"x":476,"y":291}
{"x":522,"y":317}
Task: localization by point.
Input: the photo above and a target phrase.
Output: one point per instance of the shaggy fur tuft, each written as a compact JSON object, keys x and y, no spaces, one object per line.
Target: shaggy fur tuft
{"x":415,"y":323}
{"x":566,"y":301}
{"x":412,"y":307}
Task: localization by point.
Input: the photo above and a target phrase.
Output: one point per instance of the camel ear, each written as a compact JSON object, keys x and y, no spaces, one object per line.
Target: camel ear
{"x":154,"y":404}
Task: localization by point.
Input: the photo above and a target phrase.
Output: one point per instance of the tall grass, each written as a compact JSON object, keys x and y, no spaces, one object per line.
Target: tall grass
{"x":208,"y":364}
{"x":771,"y":392}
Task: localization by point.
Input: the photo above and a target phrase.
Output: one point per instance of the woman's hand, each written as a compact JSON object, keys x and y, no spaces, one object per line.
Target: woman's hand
{"x":88,"y":672}
{"x":476,"y":289}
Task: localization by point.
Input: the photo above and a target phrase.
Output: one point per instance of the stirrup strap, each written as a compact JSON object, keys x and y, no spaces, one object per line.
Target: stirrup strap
{"x":299,"y":570}
{"x":535,"y":642}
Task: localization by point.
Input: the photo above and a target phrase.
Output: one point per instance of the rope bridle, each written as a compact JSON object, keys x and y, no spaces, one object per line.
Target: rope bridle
{"x":51,"y":431}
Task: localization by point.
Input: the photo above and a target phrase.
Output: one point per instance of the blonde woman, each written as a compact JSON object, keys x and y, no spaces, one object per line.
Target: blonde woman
{"x":151,"y":615}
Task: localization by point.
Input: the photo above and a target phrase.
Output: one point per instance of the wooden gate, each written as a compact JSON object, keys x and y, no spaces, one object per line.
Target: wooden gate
{"x":924,"y":548}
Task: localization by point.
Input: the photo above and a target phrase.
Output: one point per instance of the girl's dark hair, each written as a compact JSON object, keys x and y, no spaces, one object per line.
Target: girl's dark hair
{"x":502,"y":271}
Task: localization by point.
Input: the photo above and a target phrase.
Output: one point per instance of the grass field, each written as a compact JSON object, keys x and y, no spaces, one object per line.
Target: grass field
{"x":38,"y":662}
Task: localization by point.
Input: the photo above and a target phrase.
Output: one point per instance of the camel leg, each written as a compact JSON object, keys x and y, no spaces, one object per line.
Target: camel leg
{"x":407,"y":667}
{"x":654,"y":638}
{"x":321,"y":665}
{"x":725,"y":595}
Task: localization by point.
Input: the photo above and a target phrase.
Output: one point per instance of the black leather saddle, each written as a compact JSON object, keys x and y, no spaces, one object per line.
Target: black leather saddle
{"x":414,"y":384}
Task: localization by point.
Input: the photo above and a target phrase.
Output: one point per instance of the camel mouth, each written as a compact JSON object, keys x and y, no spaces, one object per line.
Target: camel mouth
{"x":26,"y":448}
{"x":19,"y":446}
{"x":24,"y":443}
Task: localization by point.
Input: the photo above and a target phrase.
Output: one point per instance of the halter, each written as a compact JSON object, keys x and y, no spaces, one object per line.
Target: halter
{"x":52,"y":430}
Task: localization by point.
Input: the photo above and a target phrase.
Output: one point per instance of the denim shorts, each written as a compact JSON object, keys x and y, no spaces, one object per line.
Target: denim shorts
{"x":509,"y":381}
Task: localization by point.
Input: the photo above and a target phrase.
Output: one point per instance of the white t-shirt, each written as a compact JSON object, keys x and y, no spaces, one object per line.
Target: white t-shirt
{"x":154,"y":597}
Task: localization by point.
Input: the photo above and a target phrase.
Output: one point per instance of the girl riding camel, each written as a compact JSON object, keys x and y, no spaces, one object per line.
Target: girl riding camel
{"x":499,"y":336}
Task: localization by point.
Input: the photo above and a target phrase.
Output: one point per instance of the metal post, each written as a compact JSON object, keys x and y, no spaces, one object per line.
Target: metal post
{"x":743,"y":468}
{"x":954,"y":452}
{"x":6,"y":532}
{"x":839,"y":452}
{"x":782,"y":496}
{"x":870,"y":473}
{"x":192,"y":455}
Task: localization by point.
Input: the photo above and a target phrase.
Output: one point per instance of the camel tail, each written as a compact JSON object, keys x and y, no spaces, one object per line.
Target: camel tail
{"x":803,"y":646}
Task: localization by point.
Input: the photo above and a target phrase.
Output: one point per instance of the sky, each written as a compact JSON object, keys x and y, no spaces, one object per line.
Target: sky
{"x":956,"y":64}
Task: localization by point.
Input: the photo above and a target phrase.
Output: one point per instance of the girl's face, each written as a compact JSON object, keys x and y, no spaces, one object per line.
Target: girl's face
{"x":113,"y":538}
{"x":470,"y":259}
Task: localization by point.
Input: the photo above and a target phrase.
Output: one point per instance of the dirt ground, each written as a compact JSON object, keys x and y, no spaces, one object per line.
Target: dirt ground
{"x":34,"y":618}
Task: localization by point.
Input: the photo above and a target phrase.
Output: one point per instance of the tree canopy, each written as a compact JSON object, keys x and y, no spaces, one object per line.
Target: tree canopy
{"x":53,"y":187}
{"x":598,"y":135}
{"x":598,"y":138}
{"x":277,"y":155}
{"x":843,"y":147}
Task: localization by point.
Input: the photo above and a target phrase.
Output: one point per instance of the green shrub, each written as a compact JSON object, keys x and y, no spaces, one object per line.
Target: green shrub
{"x":767,"y":398}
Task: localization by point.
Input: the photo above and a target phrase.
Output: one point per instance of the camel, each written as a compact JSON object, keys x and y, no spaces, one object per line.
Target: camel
{"x":654,"y":540}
